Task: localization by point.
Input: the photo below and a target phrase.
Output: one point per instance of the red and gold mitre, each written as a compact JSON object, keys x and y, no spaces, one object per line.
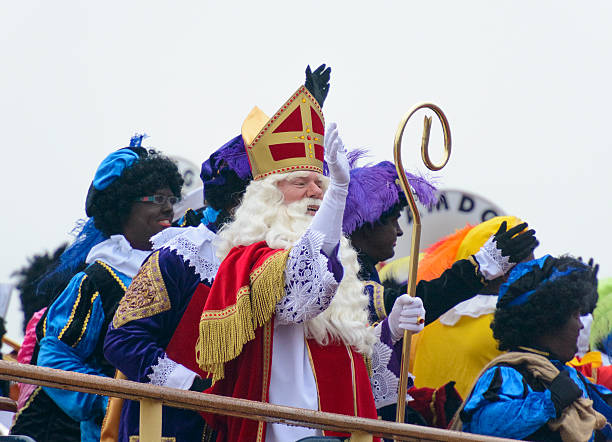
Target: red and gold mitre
{"x":291,"y":140}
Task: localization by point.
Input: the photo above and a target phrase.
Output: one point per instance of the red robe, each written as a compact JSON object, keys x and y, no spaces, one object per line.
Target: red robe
{"x":235,"y":345}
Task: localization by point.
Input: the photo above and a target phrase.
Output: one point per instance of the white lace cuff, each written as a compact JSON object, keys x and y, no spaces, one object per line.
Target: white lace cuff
{"x":384,"y":382}
{"x":491,"y":261}
{"x":309,"y":285}
{"x":168,"y":373}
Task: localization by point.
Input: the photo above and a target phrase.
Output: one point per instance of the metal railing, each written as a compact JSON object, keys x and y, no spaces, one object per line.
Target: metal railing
{"x":152,"y":397}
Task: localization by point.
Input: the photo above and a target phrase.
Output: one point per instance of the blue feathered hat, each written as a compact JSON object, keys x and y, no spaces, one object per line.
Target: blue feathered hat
{"x":113,"y":166}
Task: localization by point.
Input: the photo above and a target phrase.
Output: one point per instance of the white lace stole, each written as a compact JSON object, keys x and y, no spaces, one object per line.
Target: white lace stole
{"x":309,"y":285}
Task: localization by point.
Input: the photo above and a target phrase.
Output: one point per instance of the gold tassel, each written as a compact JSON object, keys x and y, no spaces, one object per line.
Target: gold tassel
{"x":268,"y":287}
{"x":223,"y":333}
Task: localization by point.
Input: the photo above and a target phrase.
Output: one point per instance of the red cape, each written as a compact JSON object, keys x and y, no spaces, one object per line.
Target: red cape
{"x":235,"y":344}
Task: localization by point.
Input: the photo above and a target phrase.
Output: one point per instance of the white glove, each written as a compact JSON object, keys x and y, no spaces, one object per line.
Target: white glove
{"x":328,"y":219}
{"x":407,"y":313}
{"x":335,"y":156}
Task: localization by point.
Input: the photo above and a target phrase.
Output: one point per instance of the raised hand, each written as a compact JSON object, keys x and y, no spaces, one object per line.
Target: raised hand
{"x":335,"y":156}
{"x":505,"y":249}
{"x":514,"y":243}
{"x":317,"y":82}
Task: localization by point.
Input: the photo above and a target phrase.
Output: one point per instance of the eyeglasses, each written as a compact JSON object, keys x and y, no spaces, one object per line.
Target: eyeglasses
{"x":159,"y":199}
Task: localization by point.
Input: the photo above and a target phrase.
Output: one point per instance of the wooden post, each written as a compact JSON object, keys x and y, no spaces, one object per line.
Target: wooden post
{"x":150,"y":420}
{"x":360,"y":436}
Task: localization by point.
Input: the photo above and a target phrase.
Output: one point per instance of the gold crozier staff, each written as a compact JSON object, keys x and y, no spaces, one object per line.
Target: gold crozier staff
{"x":416,"y":224}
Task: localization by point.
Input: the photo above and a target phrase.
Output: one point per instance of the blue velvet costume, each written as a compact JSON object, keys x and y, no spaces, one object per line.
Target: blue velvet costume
{"x":511,"y":398}
{"x":78,"y":351}
{"x":504,"y":402}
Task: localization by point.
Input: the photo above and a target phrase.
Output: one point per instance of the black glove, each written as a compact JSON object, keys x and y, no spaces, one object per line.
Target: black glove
{"x":590,"y":299}
{"x":317,"y":82}
{"x":563,"y":391}
{"x":514,"y":243}
{"x":594,"y":267}
{"x":200,"y":384}
{"x":504,"y":250}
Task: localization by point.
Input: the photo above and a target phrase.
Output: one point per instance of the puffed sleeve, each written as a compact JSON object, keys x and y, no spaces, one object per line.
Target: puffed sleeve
{"x":72,"y":329}
{"x":503,"y":404}
{"x":311,"y":280}
{"x":462,"y":281}
{"x":147,"y":317}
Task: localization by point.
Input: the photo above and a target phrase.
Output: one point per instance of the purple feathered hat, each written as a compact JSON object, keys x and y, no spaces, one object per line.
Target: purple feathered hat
{"x":374,"y":190}
{"x":231,"y":158}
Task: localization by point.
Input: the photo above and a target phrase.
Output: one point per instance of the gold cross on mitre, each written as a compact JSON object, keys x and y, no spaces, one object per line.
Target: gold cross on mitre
{"x":291,"y":140}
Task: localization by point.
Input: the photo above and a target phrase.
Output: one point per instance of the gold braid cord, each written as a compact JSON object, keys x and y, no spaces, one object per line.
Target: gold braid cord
{"x":378,"y":298}
{"x":223,"y":333}
{"x":146,"y":295}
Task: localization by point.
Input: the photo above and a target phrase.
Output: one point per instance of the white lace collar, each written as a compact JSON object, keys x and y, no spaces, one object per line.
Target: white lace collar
{"x":194,"y":245}
{"x":474,"y":307}
{"x":165,"y":235}
{"x":119,"y":254}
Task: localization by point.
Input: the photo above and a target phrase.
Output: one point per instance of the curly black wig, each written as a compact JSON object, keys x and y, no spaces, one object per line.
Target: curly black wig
{"x":550,"y":306}
{"x":110,"y":208}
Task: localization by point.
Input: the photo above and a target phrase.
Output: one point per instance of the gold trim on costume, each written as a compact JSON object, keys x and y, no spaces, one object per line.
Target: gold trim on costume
{"x":93,"y":298}
{"x":378,"y":298}
{"x":267,"y":353}
{"x":113,"y":274}
{"x":45,"y":326}
{"x":267,"y":349}
{"x":353,"y":378}
{"x":432,"y":408}
{"x":27,"y":404}
{"x":74,"y":307}
{"x":146,"y":296}
{"x":223,"y":333}
{"x":368,"y":363}
{"x":477,"y":269}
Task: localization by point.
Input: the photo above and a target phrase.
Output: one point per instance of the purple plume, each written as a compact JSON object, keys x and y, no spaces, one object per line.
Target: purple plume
{"x":373,"y":190}
{"x":232,"y":155}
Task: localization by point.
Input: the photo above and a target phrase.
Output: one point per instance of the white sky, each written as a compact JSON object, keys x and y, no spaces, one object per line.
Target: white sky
{"x":524,"y":84}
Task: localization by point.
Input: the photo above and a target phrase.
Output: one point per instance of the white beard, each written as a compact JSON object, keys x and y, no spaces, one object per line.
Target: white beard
{"x":264,"y":217}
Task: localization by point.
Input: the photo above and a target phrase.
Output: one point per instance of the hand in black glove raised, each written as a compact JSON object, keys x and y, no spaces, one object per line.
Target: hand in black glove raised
{"x":317,"y":82}
{"x":563,"y":391}
{"x":505,"y":249}
{"x":514,"y":243}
